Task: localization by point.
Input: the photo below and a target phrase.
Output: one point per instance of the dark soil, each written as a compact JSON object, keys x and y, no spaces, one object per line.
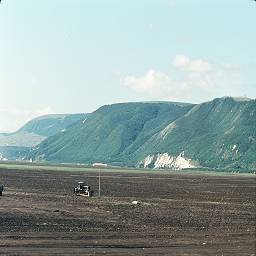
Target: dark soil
{"x":178,"y":214}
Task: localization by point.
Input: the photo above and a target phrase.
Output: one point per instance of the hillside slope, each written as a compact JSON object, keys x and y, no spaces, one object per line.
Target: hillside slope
{"x":51,"y":124}
{"x":110,"y":132}
{"x":217,"y":134}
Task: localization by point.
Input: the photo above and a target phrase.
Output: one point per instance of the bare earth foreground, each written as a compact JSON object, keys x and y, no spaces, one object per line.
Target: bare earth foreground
{"x":179,"y":214}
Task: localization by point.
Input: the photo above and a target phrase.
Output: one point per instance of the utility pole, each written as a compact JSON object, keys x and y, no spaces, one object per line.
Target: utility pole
{"x":99,"y":183}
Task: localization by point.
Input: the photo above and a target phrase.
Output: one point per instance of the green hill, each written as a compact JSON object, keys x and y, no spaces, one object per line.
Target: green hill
{"x":49,"y":125}
{"x":217,"y":134}
{"x":110,"y":132}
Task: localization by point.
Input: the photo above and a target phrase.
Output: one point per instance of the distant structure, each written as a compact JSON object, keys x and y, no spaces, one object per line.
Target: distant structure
{"x":99,"y":165}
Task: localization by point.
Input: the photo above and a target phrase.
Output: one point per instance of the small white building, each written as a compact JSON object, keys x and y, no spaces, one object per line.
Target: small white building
{"x":99,"y":165}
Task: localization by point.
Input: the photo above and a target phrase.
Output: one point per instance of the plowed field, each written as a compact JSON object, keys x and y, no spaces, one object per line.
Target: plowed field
{"x":178,"y":214}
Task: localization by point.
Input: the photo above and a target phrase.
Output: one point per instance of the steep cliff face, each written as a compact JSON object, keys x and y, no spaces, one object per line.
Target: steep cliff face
{"x":165,"y":160}
{"x":216,"y":134}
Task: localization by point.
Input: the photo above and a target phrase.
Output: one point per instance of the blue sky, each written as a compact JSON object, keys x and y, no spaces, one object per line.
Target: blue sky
{"x":67,"y":56}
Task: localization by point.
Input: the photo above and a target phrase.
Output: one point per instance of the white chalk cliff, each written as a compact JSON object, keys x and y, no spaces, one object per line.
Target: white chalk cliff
{"x":165,"y":160}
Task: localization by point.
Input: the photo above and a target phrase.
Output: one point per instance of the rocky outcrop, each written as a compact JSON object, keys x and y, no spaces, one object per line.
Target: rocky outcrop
{"x":164,"y":160}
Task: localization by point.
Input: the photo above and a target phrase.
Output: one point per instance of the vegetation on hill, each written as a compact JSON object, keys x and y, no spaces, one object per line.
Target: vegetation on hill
{"x":110,"y":133}
{"x":217,"y":134}
{"x":49,"y":125}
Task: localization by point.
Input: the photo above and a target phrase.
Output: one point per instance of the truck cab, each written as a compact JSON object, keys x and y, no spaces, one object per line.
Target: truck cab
{"x":82,"y":189}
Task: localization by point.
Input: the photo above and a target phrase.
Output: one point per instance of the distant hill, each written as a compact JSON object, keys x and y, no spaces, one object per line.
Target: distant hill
{"x":49,"y":125}
{"x":216,"y":134}
{"x":34,"y":132}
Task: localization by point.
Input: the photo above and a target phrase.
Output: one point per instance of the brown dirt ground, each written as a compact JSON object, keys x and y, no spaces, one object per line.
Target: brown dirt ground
{"x":179,"y":214}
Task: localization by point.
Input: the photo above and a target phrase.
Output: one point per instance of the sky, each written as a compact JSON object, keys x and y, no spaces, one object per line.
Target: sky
{"x":74,"y":56}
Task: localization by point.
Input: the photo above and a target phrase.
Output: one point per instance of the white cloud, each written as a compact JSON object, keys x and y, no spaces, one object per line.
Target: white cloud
{"x":184,"y":62}
{"x":187,"y":79}
{"x":155,"y":84}
{"x":150,"y":82}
